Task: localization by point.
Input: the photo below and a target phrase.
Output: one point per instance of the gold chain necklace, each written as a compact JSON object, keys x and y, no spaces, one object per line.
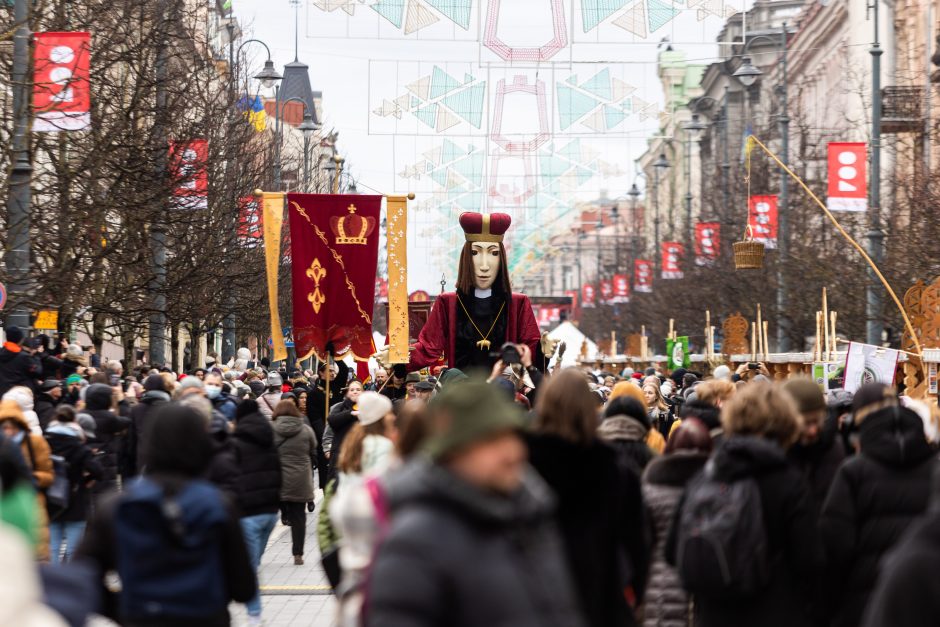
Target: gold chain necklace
{"x":484,"y":344}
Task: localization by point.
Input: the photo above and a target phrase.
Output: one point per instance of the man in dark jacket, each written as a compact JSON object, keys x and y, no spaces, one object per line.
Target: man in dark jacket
{"x":317,"y":412}
{"x":874,"y":498}
{"x":17,"y":364}
{"x":259,"y":484}
{"x":908,"y":592}
{"x":817,"y":453}
{"x":154,"y":395}
{"x":109,"y":429}
{"x":472,"y":540}
{"x":50,"y":393}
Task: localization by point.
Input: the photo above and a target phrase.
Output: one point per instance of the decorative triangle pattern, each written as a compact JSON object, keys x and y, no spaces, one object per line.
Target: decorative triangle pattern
{"x":634,"y":20}
{"x":660,"y":12}
{"x":446,"y":120}
{"x":420,"y":87}
{"x":468,"y":103}
{"x":621,"y":90}
{"x":427,"y":114}
{"x":392,"y":10}
{"x":595,"y":121}
{"x":613,"y":116}
{"x":442,"y":82}
{"x":418,"y":17}
{"x":599,"y":85}
{"x":573,"y":105}
{"x":593,"y":12}
{"x":457,"y":11}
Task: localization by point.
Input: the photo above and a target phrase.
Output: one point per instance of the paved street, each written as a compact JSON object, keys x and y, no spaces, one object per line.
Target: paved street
{"x":292,"y":595}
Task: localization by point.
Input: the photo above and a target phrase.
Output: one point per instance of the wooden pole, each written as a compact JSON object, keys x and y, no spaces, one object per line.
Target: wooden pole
{"x":832,"y":328}
{"x":817,"y":347}
{"x":766,"y":342}
{"x":760,"y":333}
{"x":825,"y":315}
{"x":753,"y":341}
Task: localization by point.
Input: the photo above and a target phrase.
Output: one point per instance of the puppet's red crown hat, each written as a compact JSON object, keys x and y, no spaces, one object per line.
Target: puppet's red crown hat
{"x":478,"y":227}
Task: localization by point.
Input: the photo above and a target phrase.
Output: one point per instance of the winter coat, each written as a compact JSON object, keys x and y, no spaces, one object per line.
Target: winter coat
{"x":661,"y":420}
{"x":459,"y":556}
{"x":790,"y":599}
{"x":23,"y":397}
{"x":223,"y":467}
{"x":225,"y":405}
{"x":17,"y":367}
{"x":602,"y":527}
{"x":819,"y":462}
{"x":259,"y":466}
{"x":874,"y":497}
{"x":908,"y":592}
{"x":316,"y":398}
{"x":67,"y":441}
{"x":109,"y":430}
{"x":140,"y":417}
{"x":70,"y":366}
{"x":666,"y":604}
{"x":627,"y":436}
{"x":99,"y":547}
{"x":267,"y":402}
{"x":45,"y":406}
{"x":297,"y":449}
{"x":22,"y":588}
{"x":341,"y":420}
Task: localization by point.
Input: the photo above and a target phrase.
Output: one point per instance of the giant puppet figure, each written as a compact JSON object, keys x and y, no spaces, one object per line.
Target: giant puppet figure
{"x":469,"y":326}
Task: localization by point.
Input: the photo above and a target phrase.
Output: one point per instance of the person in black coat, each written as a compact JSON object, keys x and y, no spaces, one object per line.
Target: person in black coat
{"x":817,"y":453}
{"x":341,"y":420}
{"x":259,"y":483}
{"x":50,"y":393}
{"x":760,"y":422}
{"x":600,"y":506}
{"x":874,"y":498}
{"x":472,"y":540}
{"x":154,"y":395}
{"x":18,"y":366}
{"x":109,"y":429}
{"x":908,"y":591}
{"x":317,"y":412}
{"x":66,"y":439}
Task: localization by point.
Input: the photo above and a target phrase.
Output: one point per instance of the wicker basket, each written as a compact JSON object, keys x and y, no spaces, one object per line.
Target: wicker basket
{"x":748,"y":254}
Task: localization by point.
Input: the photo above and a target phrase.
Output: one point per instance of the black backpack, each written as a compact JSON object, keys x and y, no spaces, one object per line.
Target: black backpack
{"x":722,"y":538}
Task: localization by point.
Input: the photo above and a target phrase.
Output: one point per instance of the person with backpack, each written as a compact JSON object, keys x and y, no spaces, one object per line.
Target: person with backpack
{"x":744,"y":539}
{"x":600,"y":506}
{"x":155,"y":394}
{"x":173,"y":538}
{"x":664,"y":481}
{"x":875,"y":496}
{"x":297,"y":449}
{"x":109,"y":430}
{"x":258,"y":484}
{"x":78,"y":469}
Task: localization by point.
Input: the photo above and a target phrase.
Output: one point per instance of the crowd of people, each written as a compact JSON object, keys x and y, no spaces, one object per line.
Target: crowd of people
{"x":515,"y":497}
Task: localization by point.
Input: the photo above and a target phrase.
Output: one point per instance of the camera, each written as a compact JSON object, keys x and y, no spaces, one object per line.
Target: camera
{"x":753,"y":366}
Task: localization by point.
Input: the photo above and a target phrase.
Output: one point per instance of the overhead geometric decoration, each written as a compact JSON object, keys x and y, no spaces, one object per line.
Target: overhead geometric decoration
{"x":442,"y":82}
{"x":599,"y":85}
{"x":593,"y":12}
{"x":634,"y":20}
{"x":427,"y":114}
{"x":517,"y":143}
{"x":418,"y":17}
{"x":446,"y":120}
{"x":544,"y":52}
{"x":420,"y":87}
{"x":573,"y":105}
{"x":660,"y":13}
{"x":392,"y":10}
{"x":458,"y":11}
{"x":467,"y":103}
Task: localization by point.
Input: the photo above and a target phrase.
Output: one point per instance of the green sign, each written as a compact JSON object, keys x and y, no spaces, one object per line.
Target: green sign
{"x":677,"y":351}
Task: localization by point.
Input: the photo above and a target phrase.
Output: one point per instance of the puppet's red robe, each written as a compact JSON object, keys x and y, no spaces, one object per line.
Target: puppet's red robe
{"x":439,"y":335}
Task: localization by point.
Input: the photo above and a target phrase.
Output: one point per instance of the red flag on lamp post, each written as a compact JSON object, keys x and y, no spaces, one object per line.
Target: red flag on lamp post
{"x":587,"y":296}
{"x":61,"y":84}
{"x":621,"y":289}
{"x":672,"y":257}
{"x":848,"y":187}
{"x":643,"y":276}
{"x":762,"y":218}
{"x":607,"y":291}
{"x":707,"y":235}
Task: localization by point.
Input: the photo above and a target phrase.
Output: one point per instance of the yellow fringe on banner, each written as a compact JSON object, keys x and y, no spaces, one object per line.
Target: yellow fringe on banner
{"x":396,"y":210}
{"x":273,"y":220}
{"x":856,"y":245}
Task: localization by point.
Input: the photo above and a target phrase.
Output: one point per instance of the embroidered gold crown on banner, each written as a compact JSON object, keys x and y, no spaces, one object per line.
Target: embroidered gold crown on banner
{"x":353,"y":228}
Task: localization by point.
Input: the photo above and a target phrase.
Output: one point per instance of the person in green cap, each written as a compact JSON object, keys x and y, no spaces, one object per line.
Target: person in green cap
{"x":472,"y":539}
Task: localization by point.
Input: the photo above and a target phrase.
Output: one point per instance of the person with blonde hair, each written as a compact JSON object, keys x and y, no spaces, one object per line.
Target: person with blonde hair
{"x":661,"y":419}
{"x":766,"y":575}
{"x":654,"y":439}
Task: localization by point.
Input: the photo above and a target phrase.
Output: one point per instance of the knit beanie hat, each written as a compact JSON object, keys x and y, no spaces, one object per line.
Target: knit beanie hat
{"x":15,"y":334}
{"x":807,"y":394}
{"x":154,"y":382}
{"x":373,"y":407}
{"x":469,"y":413}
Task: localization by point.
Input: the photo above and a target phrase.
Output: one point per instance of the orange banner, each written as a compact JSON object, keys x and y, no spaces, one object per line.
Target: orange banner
{"x":272,"y":221}
{"x":396,"y":210}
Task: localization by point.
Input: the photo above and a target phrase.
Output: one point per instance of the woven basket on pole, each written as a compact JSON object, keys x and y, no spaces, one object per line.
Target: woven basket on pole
{"x":748,"y":254}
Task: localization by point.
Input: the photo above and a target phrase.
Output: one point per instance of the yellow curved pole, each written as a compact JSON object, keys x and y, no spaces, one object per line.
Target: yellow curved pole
{"x":856,"y":245}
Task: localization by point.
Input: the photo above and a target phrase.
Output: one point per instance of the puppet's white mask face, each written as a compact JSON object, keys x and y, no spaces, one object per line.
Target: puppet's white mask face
{"x":486,"y":260}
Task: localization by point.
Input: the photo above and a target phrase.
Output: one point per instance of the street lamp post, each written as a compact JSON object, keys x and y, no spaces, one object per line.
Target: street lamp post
{"x":634,"y":195}
{"x":875,"y":237}
{"x":748,"y":74}
{"x":692,"y":132}
{"x":19,"y":198}
{"x":660,"y":165}
{"x":597,"y":238}
{"x":308,"y":127}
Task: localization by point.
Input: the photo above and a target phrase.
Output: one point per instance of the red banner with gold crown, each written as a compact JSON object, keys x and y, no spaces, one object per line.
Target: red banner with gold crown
{"x":334,"y":241}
